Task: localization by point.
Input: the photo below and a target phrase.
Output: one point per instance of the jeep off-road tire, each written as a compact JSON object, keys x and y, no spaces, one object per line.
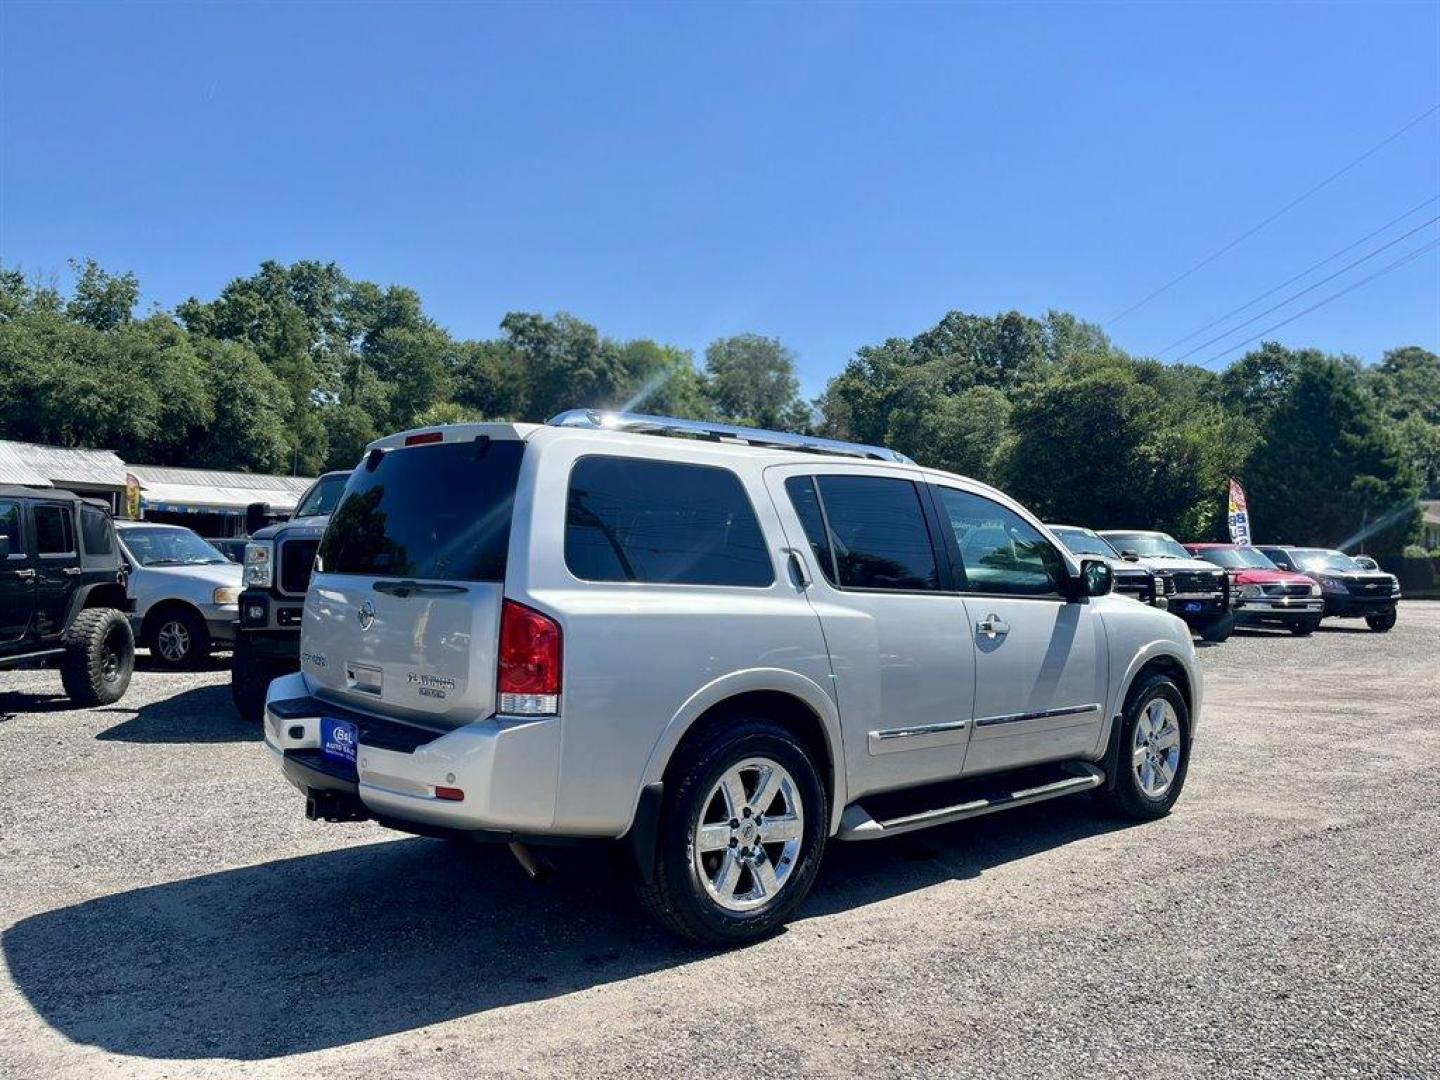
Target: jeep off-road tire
{"x":250,"y":678}
{"x":1382,"y":622}
{"x":724,"y":873}
{"x":1153,"y":752}
{"x":99,"y":657}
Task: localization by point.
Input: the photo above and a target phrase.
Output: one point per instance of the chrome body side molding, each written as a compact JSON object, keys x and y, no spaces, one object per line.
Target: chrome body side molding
{"x":1044,"y":714}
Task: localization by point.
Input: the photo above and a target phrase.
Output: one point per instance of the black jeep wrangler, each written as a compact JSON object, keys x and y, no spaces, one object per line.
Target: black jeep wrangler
{"x":277,"y":564}
{"x":62,"y":592}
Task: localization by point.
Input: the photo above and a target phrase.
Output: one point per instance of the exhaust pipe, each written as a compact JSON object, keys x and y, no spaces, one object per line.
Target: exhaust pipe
{"x":537,"y":867}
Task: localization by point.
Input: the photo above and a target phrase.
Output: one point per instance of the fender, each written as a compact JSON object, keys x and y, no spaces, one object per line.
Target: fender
{"x":81,"y":594}
{"x":1153,"y":649}
{"x":777,"y":680}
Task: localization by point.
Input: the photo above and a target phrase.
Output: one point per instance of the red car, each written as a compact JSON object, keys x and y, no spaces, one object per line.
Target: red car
{"x":1261,"y":593}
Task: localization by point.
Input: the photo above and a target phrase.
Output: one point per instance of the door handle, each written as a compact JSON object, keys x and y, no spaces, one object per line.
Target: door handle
{"x":71,"y":571}
{"x":25,"y":574}
{"x":992,"y":626}
{"x":797,"y":567}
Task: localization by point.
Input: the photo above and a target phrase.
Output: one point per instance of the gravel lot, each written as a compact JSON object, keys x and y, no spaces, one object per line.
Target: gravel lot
{"x":165,"y":910}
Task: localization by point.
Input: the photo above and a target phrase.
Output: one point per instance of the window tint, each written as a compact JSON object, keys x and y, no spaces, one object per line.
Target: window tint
{"x":999,"y":550}
{"x":95,"y":531}
{"x":54,"y":535}
{"x":439,"y":511}
{"x":878,"y":533}
{"x":806,"y":501}
{"x":10,"y":527}
{"x":661,"y":522}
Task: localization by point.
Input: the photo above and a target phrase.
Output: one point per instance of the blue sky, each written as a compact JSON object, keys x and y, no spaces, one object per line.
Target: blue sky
{"x":833,"y":175}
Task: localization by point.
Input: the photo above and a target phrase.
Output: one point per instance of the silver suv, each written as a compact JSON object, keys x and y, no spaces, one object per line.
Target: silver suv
{"x":720,"y":647}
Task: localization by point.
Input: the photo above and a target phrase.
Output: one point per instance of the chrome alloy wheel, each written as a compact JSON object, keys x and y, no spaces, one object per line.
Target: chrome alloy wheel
{"x":747,"y":838}
{"x":1155,"y":754}
{"x":173,"y":641}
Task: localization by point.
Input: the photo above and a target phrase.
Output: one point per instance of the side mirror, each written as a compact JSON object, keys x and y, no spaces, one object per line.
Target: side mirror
{"x":1096,"y":578}
{"x":1130,"y":556}
{"x":257,"y":516}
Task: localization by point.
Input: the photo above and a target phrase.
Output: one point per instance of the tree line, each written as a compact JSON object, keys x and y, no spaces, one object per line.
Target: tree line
{"x":295,"y":368}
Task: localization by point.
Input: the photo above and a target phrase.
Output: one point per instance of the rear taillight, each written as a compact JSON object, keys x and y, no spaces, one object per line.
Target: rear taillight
{"x":424,"y":437}
{"x":529,"y":669}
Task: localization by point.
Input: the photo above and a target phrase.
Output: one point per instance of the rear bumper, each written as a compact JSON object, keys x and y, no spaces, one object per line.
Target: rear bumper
{"x":508,"y":769}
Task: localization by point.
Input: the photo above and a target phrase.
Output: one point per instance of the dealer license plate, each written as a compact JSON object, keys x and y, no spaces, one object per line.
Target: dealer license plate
{"x":338,"y":740}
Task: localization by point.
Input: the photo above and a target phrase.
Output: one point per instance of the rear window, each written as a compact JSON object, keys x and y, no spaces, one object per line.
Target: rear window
{"x":440,"y":512}
{"x":54,"y":535}
{"x":662,"y":523}
{"x":95,"y":531}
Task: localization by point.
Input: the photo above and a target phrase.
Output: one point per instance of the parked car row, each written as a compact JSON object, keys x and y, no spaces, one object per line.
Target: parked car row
{"x":1214,"y":587}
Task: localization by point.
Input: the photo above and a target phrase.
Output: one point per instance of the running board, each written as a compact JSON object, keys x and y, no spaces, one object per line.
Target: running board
{"x":896,"y":812}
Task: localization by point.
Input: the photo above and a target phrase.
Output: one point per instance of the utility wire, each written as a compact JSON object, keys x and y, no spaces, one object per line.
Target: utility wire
{"x":1290,"y":281}
{"x":1431,"y":246}
{"x":1308,"y":288}
{"x":1278,"y":213}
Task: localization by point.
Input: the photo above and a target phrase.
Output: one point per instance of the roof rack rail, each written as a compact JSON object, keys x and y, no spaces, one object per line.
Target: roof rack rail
{"x":703,"y":429}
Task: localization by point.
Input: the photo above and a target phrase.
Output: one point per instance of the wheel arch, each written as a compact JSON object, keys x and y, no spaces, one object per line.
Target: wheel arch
{"x":788,"y":698}
{"x":101,"y":594}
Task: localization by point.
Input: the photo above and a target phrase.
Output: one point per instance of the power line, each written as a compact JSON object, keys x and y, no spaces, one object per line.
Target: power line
{"x":1278,"y":213}
{"x":1431,"y":246}
{"x":1308,"y":288}
{"x":1291,"y":280}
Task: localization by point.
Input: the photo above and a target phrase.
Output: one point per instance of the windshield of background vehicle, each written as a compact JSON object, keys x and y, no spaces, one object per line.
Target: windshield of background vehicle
{"x":1149,"y":545}
{"x":322,"y":498}
{"x":1083,"y":543}
{"x":1236,"y":558}
{"x":1321,"y":559}
{"x":169,"y":547}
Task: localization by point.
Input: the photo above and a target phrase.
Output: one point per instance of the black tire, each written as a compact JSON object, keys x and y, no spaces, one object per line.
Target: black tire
{"x":99,"y":657}
{"x":1219,"y":630}
{"x":192,"y":633}
{"x":1305,"y":628}
{"x":1382,"y":622}
{"x":250,"y":678}
{"x":1123,"y":794}
{"x":676,"y":897}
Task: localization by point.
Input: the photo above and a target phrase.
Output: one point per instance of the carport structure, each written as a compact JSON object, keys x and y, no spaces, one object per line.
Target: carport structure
{"x":210,"y":502}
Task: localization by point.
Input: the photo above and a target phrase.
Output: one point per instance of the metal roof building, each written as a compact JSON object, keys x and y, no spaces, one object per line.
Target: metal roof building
{"x":88,"y":472}
{"x":203,"y":490}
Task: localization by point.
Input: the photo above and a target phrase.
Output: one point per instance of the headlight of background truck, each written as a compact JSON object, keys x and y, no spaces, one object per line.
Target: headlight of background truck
{"x":1251,"y":591}
{"x":259,"y":564}
{"x":226,"y":595}
{"x":1334,"y":585}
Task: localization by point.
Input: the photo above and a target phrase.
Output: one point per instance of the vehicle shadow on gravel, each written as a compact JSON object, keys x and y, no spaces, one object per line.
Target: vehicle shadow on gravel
{"x":325,"y":950}
{"x":17,"y":702}
{"x":204,"y":714}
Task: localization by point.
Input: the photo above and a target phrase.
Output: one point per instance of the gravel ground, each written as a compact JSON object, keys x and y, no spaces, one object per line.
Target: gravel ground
{"x":167,"y":911}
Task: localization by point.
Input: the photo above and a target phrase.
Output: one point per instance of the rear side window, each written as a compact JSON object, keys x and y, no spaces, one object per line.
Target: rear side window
{"x":440,"y":512}
{"x":878,"y":533}
{"x":661,"y":522}
{"x":806,"y":501}
{"x":10,"y":529}
{"x":1000,"y":551}
{"x":95,"y":532}
{"x":54,"y":534}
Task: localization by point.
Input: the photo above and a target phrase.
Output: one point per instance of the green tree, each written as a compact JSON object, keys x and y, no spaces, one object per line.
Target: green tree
{"x":100,"y":300}
{"x":1329,"y":465}
{"x":751,"y":380}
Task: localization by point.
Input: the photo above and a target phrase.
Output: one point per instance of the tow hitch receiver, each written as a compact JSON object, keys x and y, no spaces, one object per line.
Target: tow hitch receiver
{"x":334,"y":806}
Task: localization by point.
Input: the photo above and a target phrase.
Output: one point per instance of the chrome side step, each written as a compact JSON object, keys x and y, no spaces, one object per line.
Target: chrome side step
{"x":984,"y":796}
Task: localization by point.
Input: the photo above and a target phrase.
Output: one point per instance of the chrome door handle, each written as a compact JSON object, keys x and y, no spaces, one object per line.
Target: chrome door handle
{"x":71,"y":571}
{"x":797,"y":567}
{"x":25,"y":573}
{"x":992,"y":626}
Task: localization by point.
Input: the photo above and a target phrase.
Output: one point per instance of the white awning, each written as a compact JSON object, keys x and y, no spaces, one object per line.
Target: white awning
{"x":197,"y":498}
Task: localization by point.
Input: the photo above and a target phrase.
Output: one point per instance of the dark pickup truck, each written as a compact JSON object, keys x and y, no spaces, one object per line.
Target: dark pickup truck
{"x":1350,"y":591}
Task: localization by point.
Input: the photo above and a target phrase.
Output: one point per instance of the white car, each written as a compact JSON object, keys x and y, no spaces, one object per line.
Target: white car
{"x":185,"y":592}
{"x":1196,"y":590}
{"x":720,"y":647}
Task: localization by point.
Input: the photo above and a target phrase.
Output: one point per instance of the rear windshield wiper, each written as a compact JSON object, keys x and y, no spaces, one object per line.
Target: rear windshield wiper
{"x":417,"y":588}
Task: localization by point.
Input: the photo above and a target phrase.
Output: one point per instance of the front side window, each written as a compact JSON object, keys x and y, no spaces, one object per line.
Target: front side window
{"x":661,"y":522}
{"x":1000,"y":552}
{"x":54,"y":534}
{"x":878,"y":534}
{"x":95,"y":531}
{"x":322,"y":497}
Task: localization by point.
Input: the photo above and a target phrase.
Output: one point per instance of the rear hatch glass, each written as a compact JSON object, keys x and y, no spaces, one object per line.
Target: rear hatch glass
{"x":403,"y":613}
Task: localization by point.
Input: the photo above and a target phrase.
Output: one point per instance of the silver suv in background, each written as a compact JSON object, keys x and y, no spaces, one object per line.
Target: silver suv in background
{"x":184,"y":591}
{"x":720,"y":648}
